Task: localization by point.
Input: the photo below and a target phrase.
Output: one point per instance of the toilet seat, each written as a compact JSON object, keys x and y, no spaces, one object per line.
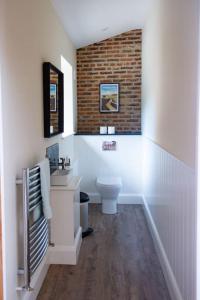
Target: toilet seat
{"x":109,"y":182}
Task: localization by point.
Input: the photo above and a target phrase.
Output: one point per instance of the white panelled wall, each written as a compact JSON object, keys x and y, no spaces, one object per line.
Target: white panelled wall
{"x":170,"y":201}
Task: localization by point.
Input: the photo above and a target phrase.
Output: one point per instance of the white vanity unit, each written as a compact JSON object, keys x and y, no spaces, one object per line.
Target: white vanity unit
{"x":66,"y":232}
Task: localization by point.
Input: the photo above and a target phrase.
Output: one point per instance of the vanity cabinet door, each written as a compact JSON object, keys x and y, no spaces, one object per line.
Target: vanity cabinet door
{"x":62,"y":223}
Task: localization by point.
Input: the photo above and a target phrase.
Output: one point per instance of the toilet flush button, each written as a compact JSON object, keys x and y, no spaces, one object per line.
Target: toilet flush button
{"x":111,"y":130}
{"x":103,"y":129}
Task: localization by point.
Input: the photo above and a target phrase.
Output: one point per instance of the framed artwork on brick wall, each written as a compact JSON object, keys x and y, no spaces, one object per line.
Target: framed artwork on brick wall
{"x":109,"y":97}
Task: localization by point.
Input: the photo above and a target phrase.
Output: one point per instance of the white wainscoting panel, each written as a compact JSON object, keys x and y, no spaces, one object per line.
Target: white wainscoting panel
{"x":170,"y":199}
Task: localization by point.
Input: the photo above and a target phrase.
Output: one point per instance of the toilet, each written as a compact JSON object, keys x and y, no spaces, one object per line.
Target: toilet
{"x":109,"y":188}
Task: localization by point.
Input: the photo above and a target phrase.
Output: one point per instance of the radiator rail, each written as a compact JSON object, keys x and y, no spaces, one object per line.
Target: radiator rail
{"x":35,"y":235}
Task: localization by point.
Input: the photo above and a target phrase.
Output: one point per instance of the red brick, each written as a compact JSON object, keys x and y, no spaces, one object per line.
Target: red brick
{"x":117,"y":59}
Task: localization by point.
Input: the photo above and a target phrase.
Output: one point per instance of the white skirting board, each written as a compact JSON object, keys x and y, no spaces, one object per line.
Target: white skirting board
{"x":36,"y":281}
{"x":66,"y":255}
{"x":167,"y":270}
{"x":122,"y":199}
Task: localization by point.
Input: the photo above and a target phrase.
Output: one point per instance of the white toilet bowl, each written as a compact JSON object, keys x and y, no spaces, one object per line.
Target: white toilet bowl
{"x":109,"y":188}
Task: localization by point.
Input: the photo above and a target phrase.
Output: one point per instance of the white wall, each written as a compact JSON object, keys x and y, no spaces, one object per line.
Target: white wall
{"x":170,"y":55}
{"x":170,"y":62}
{"x":126,"y":162}
{"x":32,"y":35}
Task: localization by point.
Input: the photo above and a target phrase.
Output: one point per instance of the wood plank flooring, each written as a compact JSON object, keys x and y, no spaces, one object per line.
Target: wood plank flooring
{"x":117,"y":262}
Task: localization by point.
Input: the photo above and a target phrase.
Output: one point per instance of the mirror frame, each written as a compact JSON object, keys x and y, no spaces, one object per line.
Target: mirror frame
{"x":47,"y":66}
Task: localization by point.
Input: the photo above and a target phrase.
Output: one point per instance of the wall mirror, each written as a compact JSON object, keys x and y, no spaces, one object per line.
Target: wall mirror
{"x":53,"y":100}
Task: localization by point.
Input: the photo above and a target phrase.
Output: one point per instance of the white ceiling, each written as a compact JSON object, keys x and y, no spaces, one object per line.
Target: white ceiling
{"x":90,"y":21}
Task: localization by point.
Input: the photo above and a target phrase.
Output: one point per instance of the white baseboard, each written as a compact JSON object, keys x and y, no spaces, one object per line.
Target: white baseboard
{"x":166,"y":267}
{"x":66,"y":255}
{"x":122,"y":199}
{"x":36,"y":281}
{"x":130,"y":199}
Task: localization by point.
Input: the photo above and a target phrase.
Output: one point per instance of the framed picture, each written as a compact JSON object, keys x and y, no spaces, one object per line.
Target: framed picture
{"x":109,"y":97}
{"x":53,"y":97}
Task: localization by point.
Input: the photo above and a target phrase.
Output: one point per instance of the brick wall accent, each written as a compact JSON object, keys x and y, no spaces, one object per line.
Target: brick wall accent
{"x":115,"y":60}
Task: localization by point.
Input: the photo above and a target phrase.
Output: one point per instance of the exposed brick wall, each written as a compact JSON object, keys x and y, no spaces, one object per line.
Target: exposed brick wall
{"x":115,"y":60}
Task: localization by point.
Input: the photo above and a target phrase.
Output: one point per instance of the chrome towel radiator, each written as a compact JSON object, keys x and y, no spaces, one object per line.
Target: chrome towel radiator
{"x":35,"y":225}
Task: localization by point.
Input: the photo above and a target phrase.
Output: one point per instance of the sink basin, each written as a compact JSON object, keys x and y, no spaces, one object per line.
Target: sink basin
{"x":61,"y":177}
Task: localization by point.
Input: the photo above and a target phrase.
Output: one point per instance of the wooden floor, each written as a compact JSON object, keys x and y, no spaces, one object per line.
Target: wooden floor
{"x":118,"y":262}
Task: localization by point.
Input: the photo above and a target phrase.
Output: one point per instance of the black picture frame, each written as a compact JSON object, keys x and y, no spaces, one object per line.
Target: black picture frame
{"x":110,"y":105}
{"x":47,"y":67}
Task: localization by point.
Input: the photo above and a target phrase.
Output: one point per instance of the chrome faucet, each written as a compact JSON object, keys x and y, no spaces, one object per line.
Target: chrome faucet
{"x":56,"y":164}
{"x":62,"y":163}
{"x":65,"y":162}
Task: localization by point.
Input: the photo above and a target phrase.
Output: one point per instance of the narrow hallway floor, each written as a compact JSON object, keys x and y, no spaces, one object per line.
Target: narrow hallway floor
{"x":117,"y":262}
